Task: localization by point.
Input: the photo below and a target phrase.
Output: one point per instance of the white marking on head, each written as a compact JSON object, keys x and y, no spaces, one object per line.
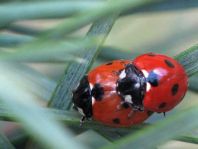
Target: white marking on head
{"x":93,"y":101}
{"x":91,"y":86}
{"x":146,"y":74}
{"x":122,"y":74}
{"x":116,"y":84}
{"x":128,"y":98}
{"x":80,"y":111}
{"x":137,"y":85}
{"x":148,"y":86}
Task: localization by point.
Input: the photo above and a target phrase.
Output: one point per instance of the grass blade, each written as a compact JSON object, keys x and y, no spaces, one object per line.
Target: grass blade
{"x":35,"y":82}
{"x":189,"y":139}
{"x":87,"y":17}
{"x":40,"y":125}
{"x":72,"y":119}
{"x":51,"y":9}
{"x":44,"y":9}
{"x":188,"y":59}
{"x":48,"y":51}
{"x":22,"y":29}
{"x":167,"y":5}
{"x":193,"y":81}
{"x":13,"y":40}
{"x":61,"y":98}
{"x":95,"y":140}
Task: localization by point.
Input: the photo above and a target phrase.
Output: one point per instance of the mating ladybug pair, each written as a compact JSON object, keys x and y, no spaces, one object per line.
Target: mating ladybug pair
{"x":124,"y":92}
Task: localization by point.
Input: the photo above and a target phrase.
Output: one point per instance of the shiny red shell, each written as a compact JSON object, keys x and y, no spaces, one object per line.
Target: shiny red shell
{"x":105,"y":110}
{"x":168,"y":81}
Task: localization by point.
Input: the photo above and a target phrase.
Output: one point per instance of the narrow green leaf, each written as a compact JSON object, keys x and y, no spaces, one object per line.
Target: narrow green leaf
{"x":113,"y":135}
{"x":22,"y":29}
{"x":189,"y":139}
{"x":35,"y":82}
{"x":49,"y":51}
{"x":92,"y":139}
{"x":167,"y":5}
{"x":7,"y":40}
{"x":61,"y":98}
{"x":73,"y":24}
{"x":112,"y":53}
{"x":44,"y":9}
{"x":193,"y":81}
{"x":87,"y":17}
{"x":64,"y":8}
{"x":17,"y":100}
{"x":4,"y":142}
{"x":188,"y":59}
{"x":72,"y":119}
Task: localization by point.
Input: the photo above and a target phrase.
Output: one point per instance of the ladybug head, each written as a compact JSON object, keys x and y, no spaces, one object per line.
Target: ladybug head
{"x":131,"y":86}
{"x":82,"y":98}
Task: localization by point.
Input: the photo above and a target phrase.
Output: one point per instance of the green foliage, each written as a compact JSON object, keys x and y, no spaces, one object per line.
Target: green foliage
{"x":23,"y":89}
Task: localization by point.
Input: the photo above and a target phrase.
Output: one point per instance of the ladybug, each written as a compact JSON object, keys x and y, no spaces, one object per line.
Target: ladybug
{"x":124,"y":92}
{"x":98,"y":95}
{"x":166,"y":81}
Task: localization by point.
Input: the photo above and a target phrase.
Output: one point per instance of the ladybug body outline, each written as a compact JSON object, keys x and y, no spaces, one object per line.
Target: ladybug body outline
{"x":122,"y":92}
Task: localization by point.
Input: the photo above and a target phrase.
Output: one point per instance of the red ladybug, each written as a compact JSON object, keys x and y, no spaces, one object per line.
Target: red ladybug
{"x":125,"y":92}
{"x":99,"y":96}
{"x":167,"y":81}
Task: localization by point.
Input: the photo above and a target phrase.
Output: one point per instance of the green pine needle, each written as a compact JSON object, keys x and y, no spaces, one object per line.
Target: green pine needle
{"x":62,"y":95}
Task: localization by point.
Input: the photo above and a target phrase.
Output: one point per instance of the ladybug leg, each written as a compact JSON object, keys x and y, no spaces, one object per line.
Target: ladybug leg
{"x":164,"y":114}
{"x":82,"y":120}
{"x":131,"y":113}
{"x":74,"y":107}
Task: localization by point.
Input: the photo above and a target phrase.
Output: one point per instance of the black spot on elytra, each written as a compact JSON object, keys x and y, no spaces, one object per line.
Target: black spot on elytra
{"x":116,"y":121}
{"x":110,"y":63}
{"x":125,"y":105}
{"x":97,"y":92}
{"x":169,"y":63}
{"x":174,"y":89}
{"x":153,"y":78}
{"x":162,"y":105}
{"x":151,"y":54}
{"x":149,"y":113}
